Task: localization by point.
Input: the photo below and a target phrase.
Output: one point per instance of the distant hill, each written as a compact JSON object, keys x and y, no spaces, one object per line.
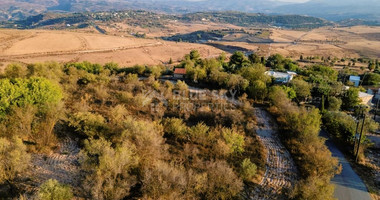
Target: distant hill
{"x":152,"y":19}
{"x":335,"y":10}
{"x":328,"y":9}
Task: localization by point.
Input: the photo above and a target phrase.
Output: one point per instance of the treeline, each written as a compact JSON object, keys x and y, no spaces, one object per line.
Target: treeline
{"x":151,"y":19}
{"x":131,"y":17}
{"x":251,"y":19}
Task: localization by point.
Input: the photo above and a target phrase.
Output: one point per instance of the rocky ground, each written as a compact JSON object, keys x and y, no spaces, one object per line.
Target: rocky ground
{"x":281,"y":171}
{"x":62,"y":165}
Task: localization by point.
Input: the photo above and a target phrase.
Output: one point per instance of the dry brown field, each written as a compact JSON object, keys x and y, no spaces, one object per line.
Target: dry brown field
{"x":28,"y":46}
{"x":359,"y":41}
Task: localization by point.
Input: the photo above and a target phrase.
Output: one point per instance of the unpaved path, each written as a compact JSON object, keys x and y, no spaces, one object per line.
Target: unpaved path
{"x":281,"y":172}
{"x":62,"y":165}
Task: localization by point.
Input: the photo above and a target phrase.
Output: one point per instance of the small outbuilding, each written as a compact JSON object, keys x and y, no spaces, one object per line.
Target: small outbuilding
{"x":355,"y":80}
{"x":179,"y":73}
{"x":365,"y":98}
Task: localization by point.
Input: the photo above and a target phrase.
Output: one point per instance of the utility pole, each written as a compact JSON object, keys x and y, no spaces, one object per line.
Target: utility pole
{"x":356,"y":131}
{"x":377,"y":106}
{"x":360,"y":138}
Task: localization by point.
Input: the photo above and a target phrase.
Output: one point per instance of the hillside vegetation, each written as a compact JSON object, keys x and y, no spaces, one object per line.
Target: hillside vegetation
{"x":156,"y":139}
{"x":151,"y":19}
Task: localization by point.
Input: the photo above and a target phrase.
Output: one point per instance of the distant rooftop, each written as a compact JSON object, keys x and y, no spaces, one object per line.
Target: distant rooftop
{"x":180,"y":71}
{"x":280,"y":74}
{"x":355,"y":78}
{"x":363,"y":94}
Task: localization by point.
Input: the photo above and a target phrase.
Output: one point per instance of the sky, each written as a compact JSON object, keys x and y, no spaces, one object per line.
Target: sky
{"x":294,"y":1}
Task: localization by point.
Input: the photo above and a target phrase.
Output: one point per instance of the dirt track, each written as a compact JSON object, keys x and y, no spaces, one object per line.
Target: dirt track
{"x":281,"y":172}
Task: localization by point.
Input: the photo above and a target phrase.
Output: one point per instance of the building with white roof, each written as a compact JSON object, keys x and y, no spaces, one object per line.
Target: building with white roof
{"x":281,"y":77}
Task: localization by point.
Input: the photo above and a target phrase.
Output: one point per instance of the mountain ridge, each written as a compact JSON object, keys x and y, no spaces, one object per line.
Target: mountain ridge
{"x":334,"y":10}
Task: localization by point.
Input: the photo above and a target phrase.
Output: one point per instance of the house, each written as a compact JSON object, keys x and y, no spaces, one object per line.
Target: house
{"x":365,"y":98}
{"x":179,"y":73}
{"x":355,"y":80}
{"x":281,"y":77}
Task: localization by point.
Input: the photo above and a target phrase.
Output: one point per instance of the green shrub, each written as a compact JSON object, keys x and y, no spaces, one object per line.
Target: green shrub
{"x":248,"y":170}
{"x":33,"y":91}
{"x":234,"y":140}
{"x":14,"y":159}
{"x":108,"y":169}
{"x":88,"y":124}
{"x":176,"y":127}
{"x":53,"y":190}
{"x":15,"y":71}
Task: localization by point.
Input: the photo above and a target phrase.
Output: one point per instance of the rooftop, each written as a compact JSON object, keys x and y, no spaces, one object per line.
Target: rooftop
{"x":356,"y":78}
{"x":180,"y":71}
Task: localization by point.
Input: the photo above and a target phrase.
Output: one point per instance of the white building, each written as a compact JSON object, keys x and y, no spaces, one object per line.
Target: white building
{"x":281,"y":77}
{"x":365,"y":98}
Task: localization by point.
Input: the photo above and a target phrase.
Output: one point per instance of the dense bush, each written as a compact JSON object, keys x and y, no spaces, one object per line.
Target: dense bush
{"x":33,"y":91}
{"x":300,"y":129}
{"x":53,"y":190}
{"x":109,"y":170}
{"x":14,"y":159}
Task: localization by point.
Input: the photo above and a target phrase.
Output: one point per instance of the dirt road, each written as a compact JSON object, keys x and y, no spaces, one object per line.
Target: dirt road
{"x":281,"y":172}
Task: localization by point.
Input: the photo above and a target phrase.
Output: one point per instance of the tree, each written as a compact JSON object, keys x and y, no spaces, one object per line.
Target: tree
{"x":222,"y":183}
{"x":88,"y":124}
{"x":254,"y":58}
{"x":53,"y":190}
{"x":320,"y":73}
{"x":291,"y":93}
{"x":276,"y":61}
{"x":278,"y":97}
{"x":371,"y":66}
{"x":196,"y":74}
{"x":248,"y":170}
{"x":33,"y":91}
{"x":234,"y":140}
{"x":258,"y":90}
{"x":175,"y":127}
{"x":109,"y":170}
{"x":181,"y":86}
{"x":340,"y":125}
{"x":15,"y":71}
{"x":14,"y":159}
{"x":350,"y":99}
{"x":334,"y":104}
{"x":194,"y":55}
{"x":236,"y":82}
{"x":302,"y":89}
{"x":237,"y":61}
{"x":113,"y":67}
{"x":371,"y":79}
{"x":256,"y":72}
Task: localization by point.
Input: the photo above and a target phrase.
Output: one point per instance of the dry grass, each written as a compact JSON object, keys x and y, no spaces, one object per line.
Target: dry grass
{"x":28,"y":46}
{"x":119,"y":46}
{"x":327,"y":41}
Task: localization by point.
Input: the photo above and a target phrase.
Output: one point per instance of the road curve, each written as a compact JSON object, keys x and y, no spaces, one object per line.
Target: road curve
{"x":348,"y":185}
